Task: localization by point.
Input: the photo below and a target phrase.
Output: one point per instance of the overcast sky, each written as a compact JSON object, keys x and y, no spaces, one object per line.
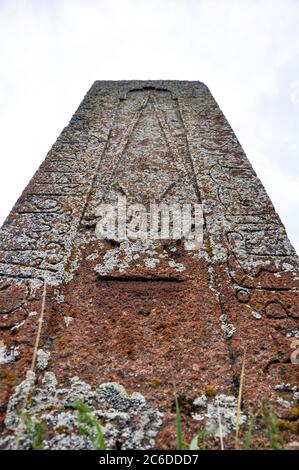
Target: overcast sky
{"x":246,"y":51}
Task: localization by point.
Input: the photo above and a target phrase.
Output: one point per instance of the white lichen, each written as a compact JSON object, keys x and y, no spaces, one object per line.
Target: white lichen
{"x":179,"y":267}
{"x":67,"y":320}
{"x":284,"y":403}
{"x":120,"y":258}
{"x":151,"y":262}
{"x":16,"y":327}
{"x":221,"y":408}
{"x":8,"y":355}
{"x":228,"y":328}
{"x":201,"y":401}
{"x":256,"y":315}
{"x":129,"y":419}
{"x":293,"y":334}
{"x":42,"y":359}
{"x":59,"y":296}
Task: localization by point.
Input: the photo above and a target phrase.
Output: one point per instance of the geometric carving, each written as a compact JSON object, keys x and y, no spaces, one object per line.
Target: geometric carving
{"x":12,"y":297}
{"x":147,"y":156}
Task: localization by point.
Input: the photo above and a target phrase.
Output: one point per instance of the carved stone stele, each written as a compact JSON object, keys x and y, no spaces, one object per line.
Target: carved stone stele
{"x":146,"y":315}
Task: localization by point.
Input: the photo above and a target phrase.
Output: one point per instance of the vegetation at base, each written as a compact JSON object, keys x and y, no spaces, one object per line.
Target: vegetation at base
{"x":178,"y":422}
{"x":272,"y":429}
{"x":88,"y":425}
{"x":199,"y":442}
{"x":265,"y":420}
{"x":34,"y":429}
{"x":263,"y":429}
{"x":249,"y":432}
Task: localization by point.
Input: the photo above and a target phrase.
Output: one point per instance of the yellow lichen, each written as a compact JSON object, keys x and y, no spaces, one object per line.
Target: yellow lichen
{"x":70,"y":259}
{"x":256,"y":305}
{"x":187,"y":406}
{"x":51,"y":406}
{"x":209,"y":248}
{"x":287,"y":425}
{"x":29,"y":399}
{"x":261,"y":442}
{"x":60,"y":430}
{"x":210,"y":391}
{"x":294,"y":413}
{"x":61,"y":344}
{"x":10,"y":377}
{"x":154,"y":382}
{"x":206,"y":187}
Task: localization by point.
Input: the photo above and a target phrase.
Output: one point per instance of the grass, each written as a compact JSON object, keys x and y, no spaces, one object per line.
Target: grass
{"x":220,"y":428}
{"x":88,"y":425}
{"x":239,"y":402}
{"x":33,"y":428}
{"x":25,"y":417}
{"x":268,"y":418}
{"x":201,"y":438}
{"x":249,"y":433}
{"x":272,"y":429}
{"x":178,"y":422}
{"x":194,"y":444}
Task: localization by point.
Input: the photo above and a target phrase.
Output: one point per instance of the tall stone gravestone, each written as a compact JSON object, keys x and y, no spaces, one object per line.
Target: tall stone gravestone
{"x":118,"y":322}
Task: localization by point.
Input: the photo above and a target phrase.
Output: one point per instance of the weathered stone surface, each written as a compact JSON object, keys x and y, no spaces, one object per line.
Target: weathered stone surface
{"x":148,"y":315}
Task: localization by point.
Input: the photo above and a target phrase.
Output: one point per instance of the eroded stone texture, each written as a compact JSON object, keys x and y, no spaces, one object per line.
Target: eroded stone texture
{"x":148,"y":315}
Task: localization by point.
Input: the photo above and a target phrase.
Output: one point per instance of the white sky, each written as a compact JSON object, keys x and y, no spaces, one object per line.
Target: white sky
{"x":246,"y":51}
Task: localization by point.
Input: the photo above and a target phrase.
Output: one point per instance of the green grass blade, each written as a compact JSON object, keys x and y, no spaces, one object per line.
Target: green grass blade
{"x":194,"y":443}
{"x":249,"y":432}
{"x":33,"y":428}
{"x":100,"y":440}
{"x":270,"y":420}
{"x":178,"y":423}
{"x":88,"y":426}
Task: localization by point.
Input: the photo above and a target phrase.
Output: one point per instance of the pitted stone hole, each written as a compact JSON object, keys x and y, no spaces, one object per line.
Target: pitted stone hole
{"x":113,"y":243}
